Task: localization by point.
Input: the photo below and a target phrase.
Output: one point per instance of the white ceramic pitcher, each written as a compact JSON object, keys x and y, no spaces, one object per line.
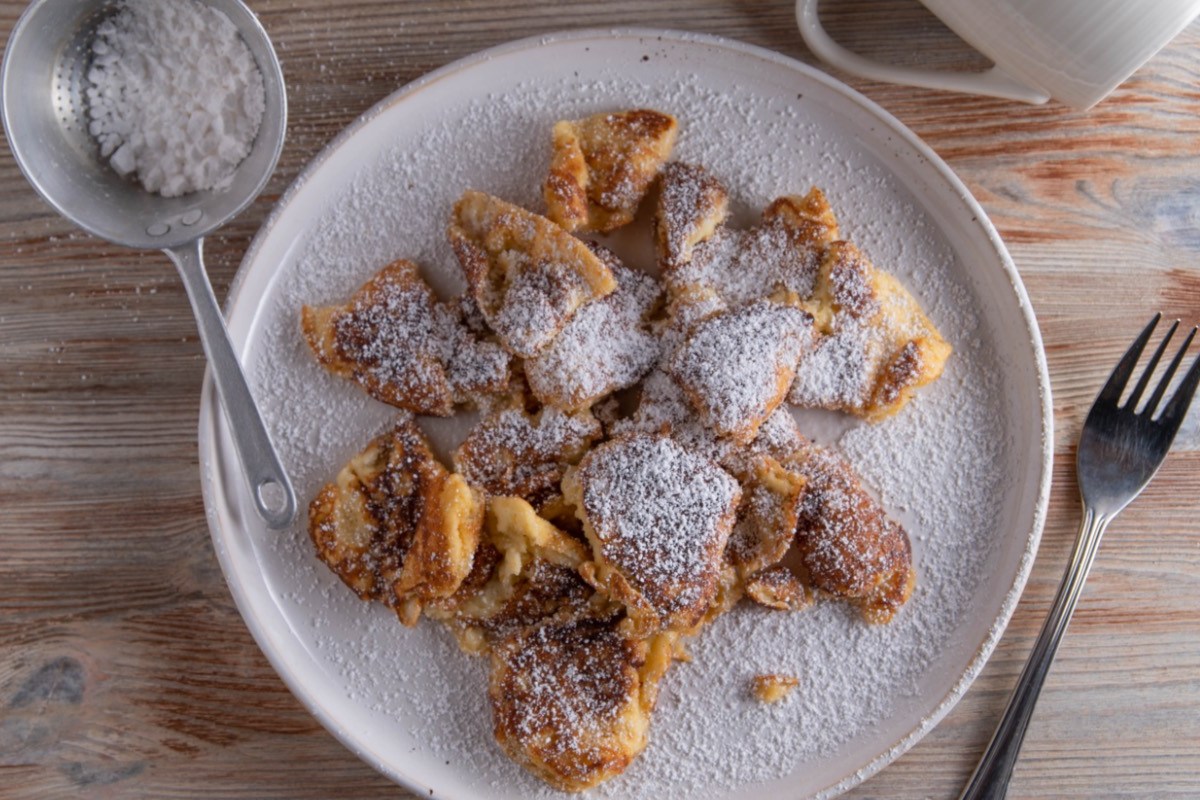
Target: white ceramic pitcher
{"x":1076,"y":51}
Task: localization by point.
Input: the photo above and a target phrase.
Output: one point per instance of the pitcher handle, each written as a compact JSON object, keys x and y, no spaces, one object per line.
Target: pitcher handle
{"x":991,"y":83}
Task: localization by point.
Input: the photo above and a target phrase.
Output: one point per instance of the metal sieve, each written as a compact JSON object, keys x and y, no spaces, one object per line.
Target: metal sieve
{"x":44,"y":112}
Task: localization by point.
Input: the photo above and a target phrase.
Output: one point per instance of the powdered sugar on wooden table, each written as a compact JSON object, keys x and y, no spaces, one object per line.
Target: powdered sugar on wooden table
{"x":937,"y":466}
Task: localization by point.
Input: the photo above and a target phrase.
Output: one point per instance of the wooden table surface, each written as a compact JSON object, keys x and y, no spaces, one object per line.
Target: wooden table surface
{"x":126,"y":671}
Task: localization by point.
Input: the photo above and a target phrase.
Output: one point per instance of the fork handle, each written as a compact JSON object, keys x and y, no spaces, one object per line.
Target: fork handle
{"x":991,"y":777}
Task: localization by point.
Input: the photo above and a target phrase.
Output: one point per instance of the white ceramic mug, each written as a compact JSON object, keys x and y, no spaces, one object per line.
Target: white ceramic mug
{"x":1076,"y":51}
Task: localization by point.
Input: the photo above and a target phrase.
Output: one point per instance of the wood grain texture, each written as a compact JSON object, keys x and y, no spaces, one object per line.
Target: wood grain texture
{"x":125,"y":670}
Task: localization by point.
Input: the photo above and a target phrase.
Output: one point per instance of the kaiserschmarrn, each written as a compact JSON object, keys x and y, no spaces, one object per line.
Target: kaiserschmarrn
{"x":635,"y":469}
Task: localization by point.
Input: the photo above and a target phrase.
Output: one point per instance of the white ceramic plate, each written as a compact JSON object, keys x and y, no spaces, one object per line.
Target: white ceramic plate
{"x":966,"y":466}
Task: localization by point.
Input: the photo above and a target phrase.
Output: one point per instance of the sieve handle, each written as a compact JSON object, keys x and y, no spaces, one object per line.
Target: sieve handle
{"x":270,"y":487}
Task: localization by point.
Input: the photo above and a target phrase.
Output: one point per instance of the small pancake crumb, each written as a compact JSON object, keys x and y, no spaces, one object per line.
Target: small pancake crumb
{"x":773,"y":687}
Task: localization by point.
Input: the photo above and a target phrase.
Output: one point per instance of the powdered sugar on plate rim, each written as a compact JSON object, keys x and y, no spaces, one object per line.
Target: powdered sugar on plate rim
{"x":943,"y":199}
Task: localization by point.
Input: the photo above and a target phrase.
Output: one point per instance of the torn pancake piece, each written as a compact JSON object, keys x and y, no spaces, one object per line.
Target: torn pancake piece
{"x":736,"y":367}
{"x":526,"y":572}
{"x":395,"y":526}
{"x":767,"y":516}
{"x":571,"y":700}
{"x":810,"y":218}
{"x":765,"y":529}
{"x":527,"y":275}
{"x":778,"y":258}
{"x":876,"y":346}
{"x":404,"y":347}
{"x":778,"y":588}
{"x":512,"y":451}
{"x":601,"y":167}
{"x":663,"y":408}
{"x":848,"y":545}
{"x":658,"y":518}
{"x":692,"y":205}
{"x":606,"y":346}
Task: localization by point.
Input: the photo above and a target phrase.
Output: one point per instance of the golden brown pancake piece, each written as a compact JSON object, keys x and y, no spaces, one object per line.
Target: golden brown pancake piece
{"x":396,"y":526}
{"x":658,"y":518}
{"x":394,"y":339}
{"x":778,"y":258}
{"x":848,"y":545}
{"x":778,"y":588}
{"x":606,"y":346}
{"x":692,"y":204}
{"x":767,"y":516}
{"x":764,"y":531}
{"x":526,"y":572}
{"x":527,"y":275}
{"x":876,"y":346}
{"x":571,"y":701}
{"x":809,"y":218}
{"x":602,"y":166}
{"x":735,"y":367}
{"x":512,"y":451}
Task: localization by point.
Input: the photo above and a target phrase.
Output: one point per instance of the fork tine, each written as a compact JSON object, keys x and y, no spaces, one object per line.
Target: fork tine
{"x":1177,"y":407}
{"x":1148,"y":372}
{"x":1163,"y":384}
{"x":1111,"y":393}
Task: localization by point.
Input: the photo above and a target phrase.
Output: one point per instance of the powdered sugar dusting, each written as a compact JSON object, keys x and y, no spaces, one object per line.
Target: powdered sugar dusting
{"x":534,"y":306}
{"x":663,"y":408}
{"x":839,"y":371}
{"x":662,"y":516}
{"x":737,"y":366}
{"x":874,"y":326}
{"x":407,"y":346}
{"x":938,"y":465}
{"x":562,"y":691}
{"x":744,"y":265}
{"x":400,"y":334}
{"x":606,"y":346}
{"x":512,"y":453}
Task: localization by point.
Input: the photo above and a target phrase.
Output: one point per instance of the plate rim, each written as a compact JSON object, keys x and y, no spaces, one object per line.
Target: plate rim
{"x":212,"y":421}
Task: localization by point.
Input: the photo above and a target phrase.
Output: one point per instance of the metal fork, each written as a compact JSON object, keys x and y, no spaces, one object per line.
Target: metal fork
{"x":1120,"y":449}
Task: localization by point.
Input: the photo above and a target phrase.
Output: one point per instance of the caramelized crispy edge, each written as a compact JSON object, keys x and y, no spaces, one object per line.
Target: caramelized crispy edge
{"x":565,"y":189}
{"x":520,"y":536}
{"x":880,"y":598}
{"x":582,"y":174}
{"x":465,"y":458}
{"x":777,"y":588}
{"x":443,"y":549}
{"x":330,"y":548}
{"x":810,"y":216}
{"x":787,"y":485}
{"x":915,"y":364}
